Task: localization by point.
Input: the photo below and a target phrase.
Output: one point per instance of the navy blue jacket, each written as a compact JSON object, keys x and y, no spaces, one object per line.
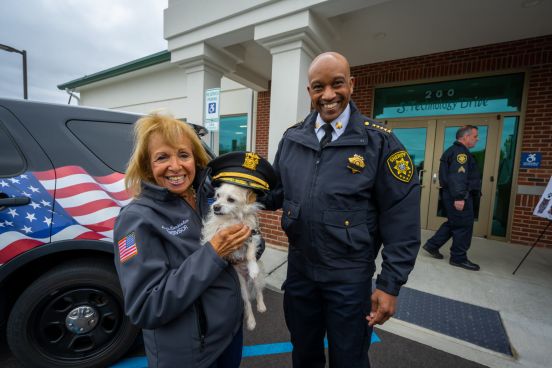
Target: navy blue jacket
{"x":340,"y":203}
{"x":458,"y":172}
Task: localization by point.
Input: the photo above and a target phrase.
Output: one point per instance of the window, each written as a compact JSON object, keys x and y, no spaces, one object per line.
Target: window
{"x":110,"y":142}
{"x":232,"y":134}
{"x":12,"y":162}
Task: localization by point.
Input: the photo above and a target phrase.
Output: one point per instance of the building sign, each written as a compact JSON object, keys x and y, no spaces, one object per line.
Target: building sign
{"x":468,"y":96}
{"x":212,"y":109}
{"x":530,"y":160}
{"x":544,"y":207}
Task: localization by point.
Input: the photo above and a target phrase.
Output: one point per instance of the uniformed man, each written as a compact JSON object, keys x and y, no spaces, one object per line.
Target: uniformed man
{"x":346,"y":185}
{"x":460,"y":182}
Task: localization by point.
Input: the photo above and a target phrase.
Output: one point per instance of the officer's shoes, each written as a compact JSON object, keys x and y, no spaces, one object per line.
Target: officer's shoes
{"x":433,"y":252}
{"x":465,"y":264}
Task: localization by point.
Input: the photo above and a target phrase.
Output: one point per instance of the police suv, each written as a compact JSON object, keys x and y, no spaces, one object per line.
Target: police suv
{"x":61,"y":188}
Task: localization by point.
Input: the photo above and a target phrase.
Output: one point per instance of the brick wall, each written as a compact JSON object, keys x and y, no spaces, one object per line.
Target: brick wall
{"x":533,"y":55}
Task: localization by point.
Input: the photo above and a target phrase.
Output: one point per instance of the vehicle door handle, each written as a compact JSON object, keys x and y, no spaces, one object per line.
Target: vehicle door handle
{"x":14,"y":201}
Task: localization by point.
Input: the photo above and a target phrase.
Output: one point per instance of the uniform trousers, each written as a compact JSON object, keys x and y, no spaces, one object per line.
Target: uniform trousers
{"x":314,"y":309}
{"x":459,"y":226}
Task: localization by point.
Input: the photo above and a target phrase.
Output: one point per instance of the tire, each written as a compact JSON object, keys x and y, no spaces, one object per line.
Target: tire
{"x":72,"y":316}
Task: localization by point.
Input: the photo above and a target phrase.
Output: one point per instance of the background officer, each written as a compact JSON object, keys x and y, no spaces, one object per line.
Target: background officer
{"x":346,"y":185}
{"x":460,"y":191}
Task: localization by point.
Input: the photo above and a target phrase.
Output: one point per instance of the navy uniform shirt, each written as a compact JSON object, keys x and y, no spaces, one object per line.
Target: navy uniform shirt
{"x":342,"y":202}
{"x":458,"y":172}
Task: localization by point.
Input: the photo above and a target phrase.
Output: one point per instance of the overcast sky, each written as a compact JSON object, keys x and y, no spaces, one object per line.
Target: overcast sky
{"x":68,"y":39}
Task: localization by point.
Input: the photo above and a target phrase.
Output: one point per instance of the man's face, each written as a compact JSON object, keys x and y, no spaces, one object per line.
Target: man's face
{"x":330,"y":86}
{"x":472,"y":138}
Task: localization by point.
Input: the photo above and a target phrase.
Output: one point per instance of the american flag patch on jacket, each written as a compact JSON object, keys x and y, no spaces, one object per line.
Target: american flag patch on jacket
{"x":127,"y":248}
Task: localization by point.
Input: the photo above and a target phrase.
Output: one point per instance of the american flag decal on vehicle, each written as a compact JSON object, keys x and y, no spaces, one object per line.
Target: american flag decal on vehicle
{"x":66,"y":203}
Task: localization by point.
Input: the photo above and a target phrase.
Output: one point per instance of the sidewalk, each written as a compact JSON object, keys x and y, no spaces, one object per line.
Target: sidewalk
{"x":524,"y":300}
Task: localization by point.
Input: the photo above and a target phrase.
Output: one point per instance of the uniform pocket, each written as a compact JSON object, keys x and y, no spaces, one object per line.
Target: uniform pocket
{"x":347,"y":231}
{"x":290,"y":216}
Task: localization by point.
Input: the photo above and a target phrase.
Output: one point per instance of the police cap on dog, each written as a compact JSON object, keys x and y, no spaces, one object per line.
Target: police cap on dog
{"x":245,"y":169}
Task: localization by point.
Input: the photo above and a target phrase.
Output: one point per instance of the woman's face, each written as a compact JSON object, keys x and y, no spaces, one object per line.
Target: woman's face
{"x":172,"y":167}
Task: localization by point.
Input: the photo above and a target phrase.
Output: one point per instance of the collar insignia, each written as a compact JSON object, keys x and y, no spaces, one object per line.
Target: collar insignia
{"x":356,"y":163}
{"x":462,"y":158}
{"x":338,"y":125}
{"x":251,"y":161}
{"x":401,"y":166}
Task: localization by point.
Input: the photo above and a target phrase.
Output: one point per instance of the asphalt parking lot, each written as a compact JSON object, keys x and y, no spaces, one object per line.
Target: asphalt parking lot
{"x":268,"y":346}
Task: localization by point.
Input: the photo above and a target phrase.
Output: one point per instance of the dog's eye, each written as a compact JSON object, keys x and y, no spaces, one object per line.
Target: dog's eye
{"x":231,"y":200}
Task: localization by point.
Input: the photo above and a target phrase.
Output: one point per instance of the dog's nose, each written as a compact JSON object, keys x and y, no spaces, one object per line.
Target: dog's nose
{"x":216,"y":208}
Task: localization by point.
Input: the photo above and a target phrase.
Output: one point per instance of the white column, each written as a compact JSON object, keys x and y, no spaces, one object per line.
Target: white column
{"x":289,"y":100}
{"x":200,"y":77}
{"x":293,"y":41}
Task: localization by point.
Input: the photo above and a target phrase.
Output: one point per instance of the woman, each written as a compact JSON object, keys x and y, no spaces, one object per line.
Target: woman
{"x":183,"y":294}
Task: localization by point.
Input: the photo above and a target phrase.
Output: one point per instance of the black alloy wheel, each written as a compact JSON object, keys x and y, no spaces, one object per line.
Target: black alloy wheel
{"x":72,"y":316}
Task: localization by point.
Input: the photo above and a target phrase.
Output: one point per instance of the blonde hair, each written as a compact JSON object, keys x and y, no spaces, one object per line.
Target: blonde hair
{"x":170,"y":129}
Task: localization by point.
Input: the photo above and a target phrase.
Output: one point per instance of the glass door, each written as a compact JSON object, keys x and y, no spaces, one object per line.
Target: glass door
{"x":418,"y":136}
{"x":485,"y":155}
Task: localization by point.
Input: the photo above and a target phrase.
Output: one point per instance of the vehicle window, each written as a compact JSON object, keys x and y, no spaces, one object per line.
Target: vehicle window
{"x":12,"y":162}
{"x":110,"y":142}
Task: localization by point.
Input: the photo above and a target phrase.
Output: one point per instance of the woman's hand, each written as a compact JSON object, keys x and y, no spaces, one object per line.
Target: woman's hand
{"x":229,"y":239}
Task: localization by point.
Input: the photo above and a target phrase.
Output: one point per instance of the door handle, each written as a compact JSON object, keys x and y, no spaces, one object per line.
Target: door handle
{"x":421,"y":177}
{"x":13,"y":201}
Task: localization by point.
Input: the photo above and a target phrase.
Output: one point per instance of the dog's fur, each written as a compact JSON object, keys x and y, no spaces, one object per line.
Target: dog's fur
{"x":237,"y":205}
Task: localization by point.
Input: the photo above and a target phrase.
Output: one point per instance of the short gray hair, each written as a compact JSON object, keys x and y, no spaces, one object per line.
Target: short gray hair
{"x":465,"y":130}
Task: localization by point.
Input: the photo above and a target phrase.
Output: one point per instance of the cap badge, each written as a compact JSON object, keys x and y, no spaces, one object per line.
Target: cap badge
{"x":251,"y":161}
{"x":356,"y":163}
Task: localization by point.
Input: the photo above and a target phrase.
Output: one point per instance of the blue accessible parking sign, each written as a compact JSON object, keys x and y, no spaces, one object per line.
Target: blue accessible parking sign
{"x":530,"y":160}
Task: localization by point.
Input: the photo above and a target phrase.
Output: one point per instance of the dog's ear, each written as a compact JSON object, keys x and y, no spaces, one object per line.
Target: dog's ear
{"x":251,"y":196}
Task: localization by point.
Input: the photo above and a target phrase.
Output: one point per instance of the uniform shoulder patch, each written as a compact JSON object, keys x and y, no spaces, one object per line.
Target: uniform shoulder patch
{"x":461,"y":158}
{"x":377,"y":126}
{"x":401,"y":166}
{"x":127,"y":247}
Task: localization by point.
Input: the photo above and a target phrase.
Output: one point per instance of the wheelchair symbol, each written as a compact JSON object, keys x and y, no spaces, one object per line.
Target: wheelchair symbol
{"x":212,"y":107}
{"x":532,"y":157}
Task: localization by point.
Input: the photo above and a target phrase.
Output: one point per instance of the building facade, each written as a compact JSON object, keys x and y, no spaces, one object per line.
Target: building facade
{"x":424,"y":67}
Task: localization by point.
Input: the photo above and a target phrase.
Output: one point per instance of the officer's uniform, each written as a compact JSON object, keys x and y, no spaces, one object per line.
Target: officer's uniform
{"x":340,"y":203}
{"x":460,"y":179}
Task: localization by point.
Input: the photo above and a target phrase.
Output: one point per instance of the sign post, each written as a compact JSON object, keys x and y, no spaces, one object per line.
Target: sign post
{"x":542,"y":209}
{"x":212,"y":112}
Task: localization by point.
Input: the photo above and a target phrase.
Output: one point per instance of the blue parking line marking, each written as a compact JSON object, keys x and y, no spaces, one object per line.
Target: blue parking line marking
{"x":267,"y":349}
{"x":135,"y":362}
{"x":248,"y":351}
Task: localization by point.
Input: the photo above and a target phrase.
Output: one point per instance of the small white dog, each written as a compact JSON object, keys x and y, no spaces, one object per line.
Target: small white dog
{"x":237,"y":205}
